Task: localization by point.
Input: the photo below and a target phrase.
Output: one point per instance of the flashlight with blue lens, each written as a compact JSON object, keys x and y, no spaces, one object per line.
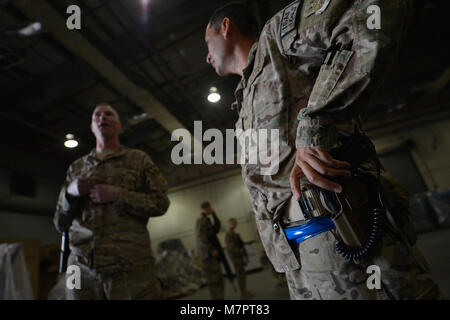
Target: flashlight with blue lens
{"x":356,"y":216}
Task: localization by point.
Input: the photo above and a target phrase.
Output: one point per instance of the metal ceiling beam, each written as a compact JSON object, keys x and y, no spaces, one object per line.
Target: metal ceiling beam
{"x":142,"y":39}
{"x":415,"y":115}
{"x":440,"y":83}
{"x":54,"y":24}
{"x":49,"y":86}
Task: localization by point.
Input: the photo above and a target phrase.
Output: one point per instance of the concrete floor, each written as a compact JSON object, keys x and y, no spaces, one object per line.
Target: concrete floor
{"x":262,"y":283}
{"x":434,"y":246}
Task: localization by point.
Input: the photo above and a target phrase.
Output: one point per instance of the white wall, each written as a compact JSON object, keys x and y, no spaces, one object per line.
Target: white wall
{"x":4,"y":179}
{"x":22,"y":225}
{"x":431,"y":152}
{"x":25,"y":226}
{"x":229,"y":197}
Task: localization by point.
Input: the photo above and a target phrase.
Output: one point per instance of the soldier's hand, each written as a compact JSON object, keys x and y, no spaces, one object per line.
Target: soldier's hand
{"x":314,"y":163}
{"x":102,"y":193}
{"x":81,"y":186}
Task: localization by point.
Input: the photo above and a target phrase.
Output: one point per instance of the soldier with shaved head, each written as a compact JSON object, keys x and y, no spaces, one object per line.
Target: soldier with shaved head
{"x":105,"y":204}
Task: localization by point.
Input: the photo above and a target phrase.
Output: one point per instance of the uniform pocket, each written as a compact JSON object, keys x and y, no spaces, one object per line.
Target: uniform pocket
{"x":129,"y":180}
{"x":318,"y":255}
{"x":268,"y":108}
{"x":276,"y":246}
{"x":270,"y":117}
{"x":328,"y":77}
{"x":245,"y":137}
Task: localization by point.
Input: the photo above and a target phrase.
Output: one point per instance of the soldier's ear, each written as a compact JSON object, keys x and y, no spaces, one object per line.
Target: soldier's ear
{"x":225,"y":28}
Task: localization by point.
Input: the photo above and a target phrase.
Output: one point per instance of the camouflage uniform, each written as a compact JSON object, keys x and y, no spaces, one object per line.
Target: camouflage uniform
{"x":235,"y":248}
{"x":110,"y":241}
{"x":279,"y":276}
{"x":207,"y":242}
{"x":309,"y":75}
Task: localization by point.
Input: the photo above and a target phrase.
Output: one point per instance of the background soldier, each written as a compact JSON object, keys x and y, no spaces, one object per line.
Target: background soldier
{"x":105,"y":204}
{"x":316,"y":59}
{"x":209,"y":251}
{"x":238,"y":254}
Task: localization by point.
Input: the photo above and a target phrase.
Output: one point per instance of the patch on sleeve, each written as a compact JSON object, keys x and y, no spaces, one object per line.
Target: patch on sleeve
{"x":316,"y":7}
{"x":289,"y":18}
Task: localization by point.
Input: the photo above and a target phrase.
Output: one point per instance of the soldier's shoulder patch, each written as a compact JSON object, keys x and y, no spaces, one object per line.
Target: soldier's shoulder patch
{"x":316,"y":7}
{"x":289,"y":18}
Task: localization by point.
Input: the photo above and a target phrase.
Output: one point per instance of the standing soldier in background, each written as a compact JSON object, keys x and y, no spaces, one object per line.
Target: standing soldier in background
{"x":309,"y":75}
{"x":237,"y":253}
{"x":105,"y":204}
{"x":209,"y":250}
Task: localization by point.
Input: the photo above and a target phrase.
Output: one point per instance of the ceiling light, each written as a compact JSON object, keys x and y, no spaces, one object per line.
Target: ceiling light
{"x":213,"y":95}
{"x":70,"y":142}
{"x":140,"y":116}
{"x":30,"y":30}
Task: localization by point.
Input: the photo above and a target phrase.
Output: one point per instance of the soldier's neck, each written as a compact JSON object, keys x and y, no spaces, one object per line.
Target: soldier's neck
{"x":107,"y":144}
{"x":241,"y":52}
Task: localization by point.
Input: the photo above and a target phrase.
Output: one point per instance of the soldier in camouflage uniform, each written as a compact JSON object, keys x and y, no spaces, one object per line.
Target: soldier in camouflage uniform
{"x":309,"y":75}
{"x":237,"y":254}
{"x":209,"y":251}
{"x":105,"y":204}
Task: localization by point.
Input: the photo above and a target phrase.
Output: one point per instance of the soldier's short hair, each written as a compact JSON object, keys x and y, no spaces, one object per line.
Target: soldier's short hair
{"x":106,"y":104}
{"x":205,"y":205}
{"x":240,"y":15}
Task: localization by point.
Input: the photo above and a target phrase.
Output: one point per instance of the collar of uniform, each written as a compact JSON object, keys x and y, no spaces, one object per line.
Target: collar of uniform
{"x":119,"y":152}
{"x":245,"y":75}
{"x":236,"y":105}
{"x":251,"y":62}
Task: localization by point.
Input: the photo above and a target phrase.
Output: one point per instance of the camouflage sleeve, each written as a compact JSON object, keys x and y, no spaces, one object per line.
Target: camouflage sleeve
{"x":217,"y":224}
{"x":204,"y":238}
{"x":239,"y":241}
{"x":152,"y":201}
{"x":354,"y":63}
{"x":231,"y":246}
{"x":229,"y":241}
{"x":66,"y":207}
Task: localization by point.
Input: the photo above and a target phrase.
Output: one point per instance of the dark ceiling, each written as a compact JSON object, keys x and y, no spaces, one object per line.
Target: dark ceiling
{"x":51,"y":81}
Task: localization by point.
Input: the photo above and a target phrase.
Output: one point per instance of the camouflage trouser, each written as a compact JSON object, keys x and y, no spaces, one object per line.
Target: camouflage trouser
{"x":280,"y":277}
{"x":139,"y":284}
{"x":213,"y":273}
{"x":239,"y":268}
{"x":324,"y":274}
